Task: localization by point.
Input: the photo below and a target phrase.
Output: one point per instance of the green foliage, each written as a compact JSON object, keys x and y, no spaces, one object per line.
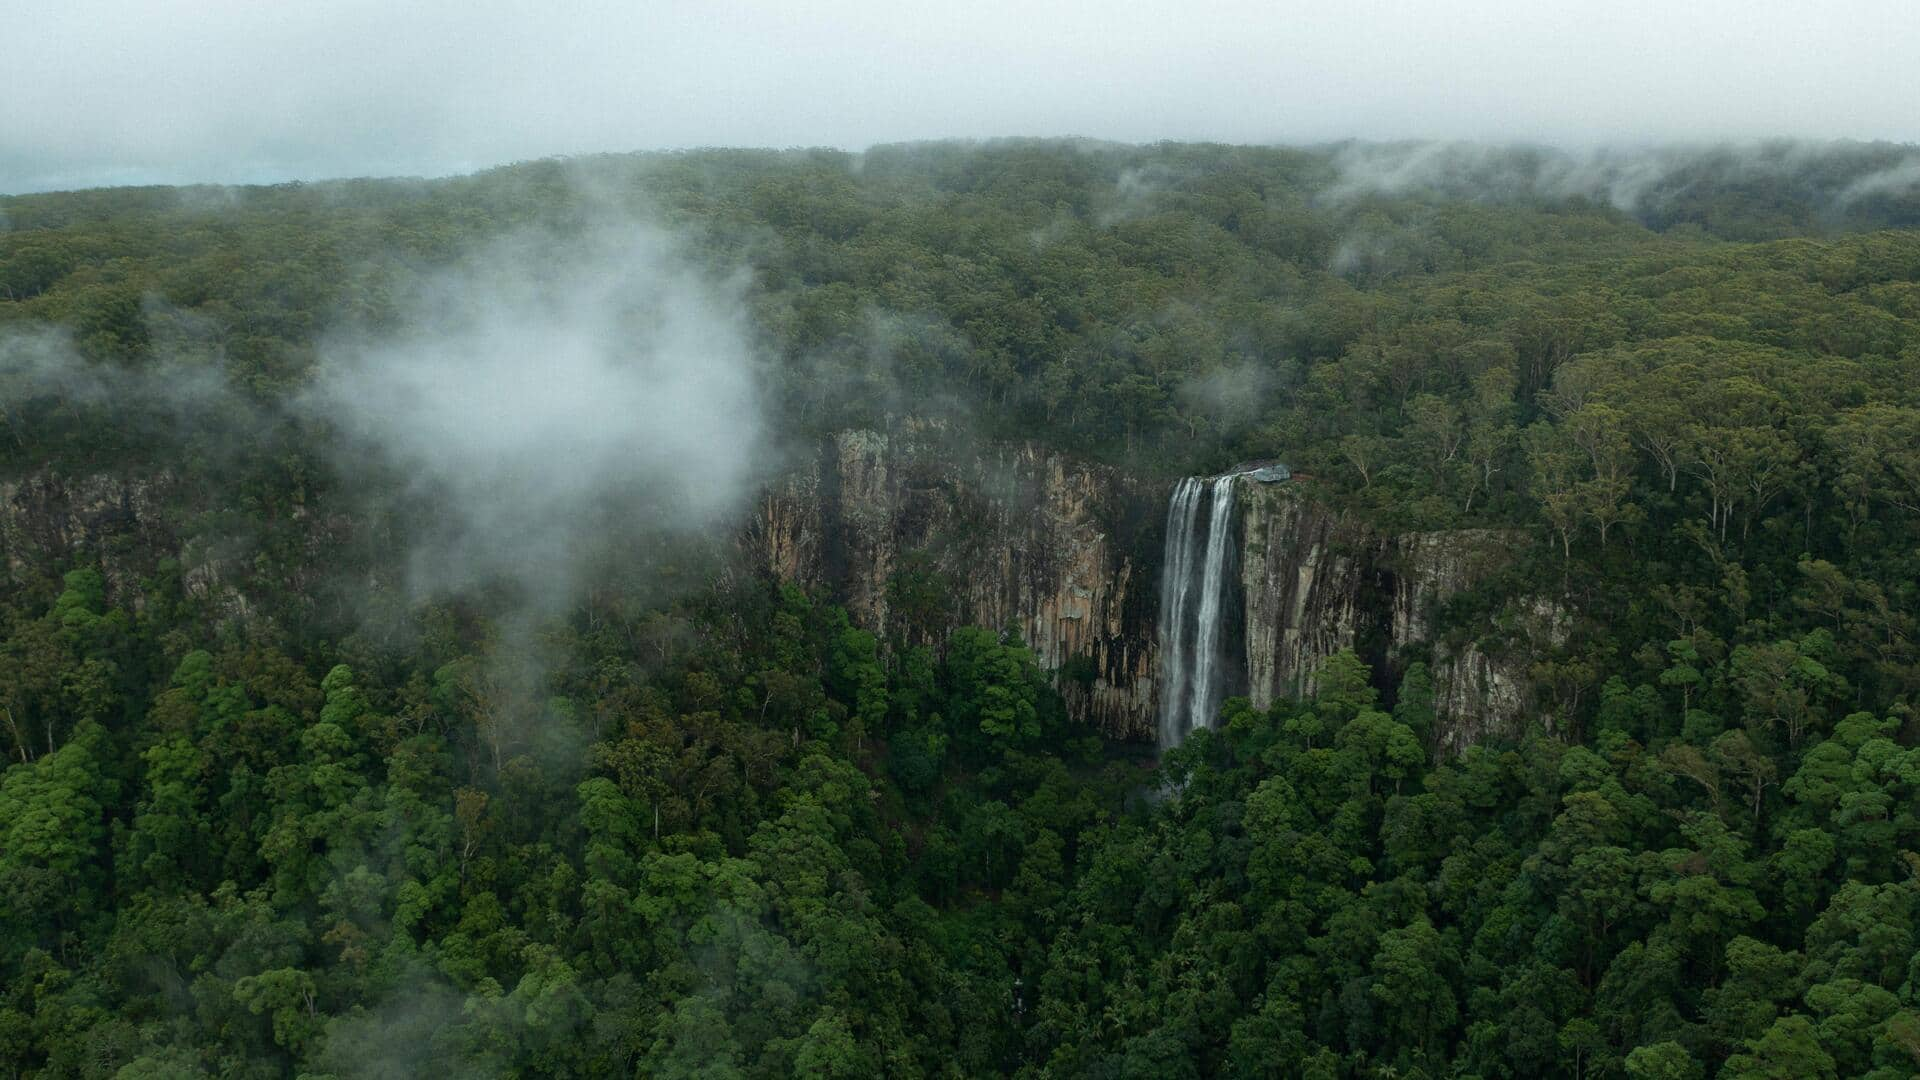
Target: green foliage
{"x":742,"y":836}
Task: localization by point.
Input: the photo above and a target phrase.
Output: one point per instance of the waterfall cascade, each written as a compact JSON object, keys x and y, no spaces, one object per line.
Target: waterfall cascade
{"x":1198,"y":592}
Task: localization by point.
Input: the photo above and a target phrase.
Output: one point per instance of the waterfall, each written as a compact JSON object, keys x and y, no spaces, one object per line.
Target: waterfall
{"x":1197,"y":596}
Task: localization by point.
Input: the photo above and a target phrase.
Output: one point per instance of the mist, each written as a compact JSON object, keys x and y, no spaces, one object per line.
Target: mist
{"x":171,"y":92}
{"x":549,"y":392}
{"x":565,"y":407}
{"x":1831,"y":175}
{"x":179,"y":394}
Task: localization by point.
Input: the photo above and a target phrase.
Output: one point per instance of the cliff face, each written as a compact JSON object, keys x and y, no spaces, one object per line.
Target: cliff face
{"x":1318,"y":581}
{"x":1308,"y":575}
{"x":1061,"y":550}
{"x":1069,"y":554}
{"x":1481,"y":679}
{"x":131,"y":526}
{"x":919,"y":535}
{"x":51,"y":523}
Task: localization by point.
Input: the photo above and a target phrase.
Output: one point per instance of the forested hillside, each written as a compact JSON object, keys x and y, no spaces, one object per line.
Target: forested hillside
{"x":475,"y":749}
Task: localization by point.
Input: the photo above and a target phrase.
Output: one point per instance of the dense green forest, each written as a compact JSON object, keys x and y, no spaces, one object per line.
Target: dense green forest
{"x":722,"y":832}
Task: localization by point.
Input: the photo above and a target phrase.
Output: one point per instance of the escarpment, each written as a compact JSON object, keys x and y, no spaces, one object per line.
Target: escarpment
{"x":51,"y":522}
{"x":918,"y":537}
{"x":139,"y":527}
{"x":1317,"y":581}
{"x":919,"y":534}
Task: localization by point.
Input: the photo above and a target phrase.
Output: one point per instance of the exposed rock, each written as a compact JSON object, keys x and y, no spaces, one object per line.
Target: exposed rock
{"x":203,"y":580}
{"x":1068,"y":553}
{"x":1306,"y":573}
{"x":1018,"y":536}
{"x":50,"y":523}
{"x":1318,"y":581}
{"x":919,"y":535}
{"x":125,"y":525}
{"x":1482,"y":686}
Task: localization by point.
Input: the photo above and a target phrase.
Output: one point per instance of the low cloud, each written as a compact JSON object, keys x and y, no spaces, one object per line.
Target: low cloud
{"x":558,"y":410}
{"x":1135,"y":193}
{"x":1899,"y":179}
{"x":1231,"y":395}
{"x":43,"y":372}
{"x":198,"y":90}
{"x":1829,"y":175}
{"x":550,"y":393}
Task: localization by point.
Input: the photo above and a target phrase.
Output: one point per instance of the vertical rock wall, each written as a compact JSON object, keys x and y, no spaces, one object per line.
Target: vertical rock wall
{"x":1058,"y":549}
{"x":1304,"y":569}
{"x":50,"y":523}
{"x":127,"y":524}
{"x":918,"y":535}
{"x":1318,"y":581}
{"x":1068,"y":553}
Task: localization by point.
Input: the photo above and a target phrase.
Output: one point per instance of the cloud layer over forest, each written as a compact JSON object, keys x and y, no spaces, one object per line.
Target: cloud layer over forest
{"x":173,"y":91}
{"x":549,"y":388}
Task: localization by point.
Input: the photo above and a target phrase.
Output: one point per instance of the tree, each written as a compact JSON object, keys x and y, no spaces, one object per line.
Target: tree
{"x":1600,"y":431}
{"x":1553,"y":461}
{"x":828,"y":1050}
{"x":1788,"y":1050}
{"x":994,"y":688}
{"x":1663,"y":1061}
{"x":693,"y":1041}
{"x":286,"y":995}
{"x":51,"y":819}
{"x":1409,"y":981}
{"x":1783,"y":683}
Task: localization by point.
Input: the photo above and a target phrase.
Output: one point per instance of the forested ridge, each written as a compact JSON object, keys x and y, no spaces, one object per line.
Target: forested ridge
{"x":702,"y":825}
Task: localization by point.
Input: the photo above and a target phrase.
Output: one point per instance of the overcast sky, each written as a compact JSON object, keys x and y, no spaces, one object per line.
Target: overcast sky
{"x":99,"y":92}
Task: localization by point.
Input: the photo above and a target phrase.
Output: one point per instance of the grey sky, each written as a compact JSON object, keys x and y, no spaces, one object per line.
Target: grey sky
{"x":130,"y":91}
